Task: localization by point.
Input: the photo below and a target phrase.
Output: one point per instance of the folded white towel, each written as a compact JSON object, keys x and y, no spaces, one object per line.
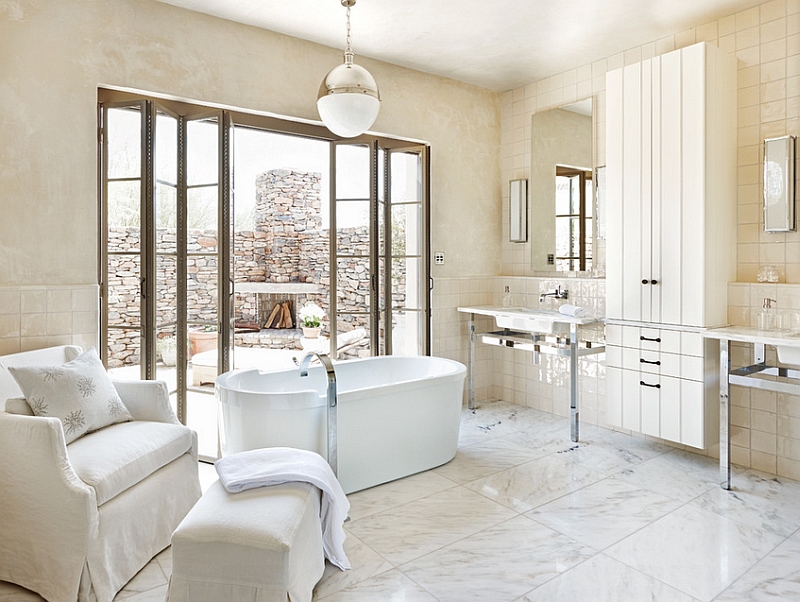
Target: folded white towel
{"x":276,"y":465}
{"x":572,"y":310}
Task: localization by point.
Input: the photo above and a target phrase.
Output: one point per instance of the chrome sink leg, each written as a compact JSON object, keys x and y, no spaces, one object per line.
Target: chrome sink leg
{"x":573,"y":381}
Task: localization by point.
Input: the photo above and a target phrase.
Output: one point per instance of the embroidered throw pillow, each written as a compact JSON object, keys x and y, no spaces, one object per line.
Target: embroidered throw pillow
{"x":79,"y":393}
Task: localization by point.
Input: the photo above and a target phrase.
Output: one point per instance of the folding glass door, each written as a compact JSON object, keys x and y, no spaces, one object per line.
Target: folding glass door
{"x":165,"y":249}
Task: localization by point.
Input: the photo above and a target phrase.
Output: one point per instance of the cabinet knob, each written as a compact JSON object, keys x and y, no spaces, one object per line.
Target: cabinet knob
{"x":645,"y":281}
{"x":654,"y":282}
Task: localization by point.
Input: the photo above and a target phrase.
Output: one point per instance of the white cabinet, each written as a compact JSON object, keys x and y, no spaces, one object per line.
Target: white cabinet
{"x":671,"y":187}
{"x":671,"y":238}
{"x":662,"y":382}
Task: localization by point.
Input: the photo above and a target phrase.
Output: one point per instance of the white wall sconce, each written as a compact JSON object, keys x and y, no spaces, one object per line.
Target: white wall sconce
{"x":779,"y":184}
{"x":518,"y":210}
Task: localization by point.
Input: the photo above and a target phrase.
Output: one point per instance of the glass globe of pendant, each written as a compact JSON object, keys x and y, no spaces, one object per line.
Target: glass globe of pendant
{"x":348,"y":100}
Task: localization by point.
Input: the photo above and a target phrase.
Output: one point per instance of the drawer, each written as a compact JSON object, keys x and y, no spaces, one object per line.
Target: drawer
{"x":651,"y":339}
{"x":692,"y":343}
{"x":653,"y":362}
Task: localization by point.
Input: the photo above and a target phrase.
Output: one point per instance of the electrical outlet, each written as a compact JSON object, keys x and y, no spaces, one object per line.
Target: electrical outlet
{"x":551,"y":259}
{"x":438,"y":258}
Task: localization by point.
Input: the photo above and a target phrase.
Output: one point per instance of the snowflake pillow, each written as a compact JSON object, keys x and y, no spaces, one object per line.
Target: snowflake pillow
{"x":79,"y":393}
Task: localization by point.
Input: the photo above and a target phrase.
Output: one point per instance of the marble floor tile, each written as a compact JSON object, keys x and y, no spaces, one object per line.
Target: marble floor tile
{"x":776,"y":577}
{"x":483,"y":459}
{"x":534,"y":483}
{"x":157,"y":594}
{"x":396,"y":493}
{"x":678,"y":474}
{"x":696,"y":551}
{"x":603,"y":579}
{"x":604,"y":513}
{"x":499,"y":418}
{"x":422,"y":526}
{"x":757,"y":499}
{"x":499,"y":563}
{"x":386,"y":587}
{"x":364,"y":561}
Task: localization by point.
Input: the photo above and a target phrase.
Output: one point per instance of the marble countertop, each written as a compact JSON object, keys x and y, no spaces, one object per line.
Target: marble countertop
{"x":776,"y":338}
{"x":524,"y":312}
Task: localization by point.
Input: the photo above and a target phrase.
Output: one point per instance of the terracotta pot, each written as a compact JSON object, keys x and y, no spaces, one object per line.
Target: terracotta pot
{"x":200,"y":341}
{"x":311,"y":333}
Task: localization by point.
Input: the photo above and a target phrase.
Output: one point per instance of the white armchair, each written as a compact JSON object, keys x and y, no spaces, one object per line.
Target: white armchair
{"x":78,"y":521}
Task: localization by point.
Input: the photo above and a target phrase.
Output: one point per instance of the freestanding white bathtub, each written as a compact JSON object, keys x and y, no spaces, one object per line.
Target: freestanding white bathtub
{"x":396,"y":415}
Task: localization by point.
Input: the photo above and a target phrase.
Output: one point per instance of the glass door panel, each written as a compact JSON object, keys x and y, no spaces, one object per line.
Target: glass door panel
{"x":166,"y":250}
{"x":408,"y":276}
{"x":121,"y":282}
{"x":354,"y":218}
{"x":202,"y":253}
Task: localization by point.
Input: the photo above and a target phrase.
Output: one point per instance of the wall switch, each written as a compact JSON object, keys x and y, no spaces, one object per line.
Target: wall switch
{"x":438,"y":258}
{"x":551,"y":259}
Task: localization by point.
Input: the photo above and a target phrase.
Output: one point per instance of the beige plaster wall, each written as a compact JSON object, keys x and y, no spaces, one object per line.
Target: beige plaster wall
{"x":55,"y":53}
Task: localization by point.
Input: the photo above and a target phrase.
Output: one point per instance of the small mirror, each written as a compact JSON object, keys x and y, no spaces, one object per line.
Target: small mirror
{"x":562,"y":188}
{"x":779,"y":186}
{"x":518,"y":210}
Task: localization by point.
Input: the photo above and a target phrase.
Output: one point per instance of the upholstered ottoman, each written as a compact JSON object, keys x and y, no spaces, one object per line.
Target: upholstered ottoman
{"x":260,"y":545}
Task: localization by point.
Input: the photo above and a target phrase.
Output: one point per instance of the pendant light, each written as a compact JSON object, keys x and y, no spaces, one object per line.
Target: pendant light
{"x":348,"y":100}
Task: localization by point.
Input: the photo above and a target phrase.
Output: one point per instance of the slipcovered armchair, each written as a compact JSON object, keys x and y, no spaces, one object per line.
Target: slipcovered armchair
{"x":80,"y":519}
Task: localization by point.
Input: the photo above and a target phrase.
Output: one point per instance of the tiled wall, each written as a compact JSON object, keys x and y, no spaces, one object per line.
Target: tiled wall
{"x":765,"y":426}
{"x":32,"y":317}
{"x":766,"y":40}
{"x":511,"y":374}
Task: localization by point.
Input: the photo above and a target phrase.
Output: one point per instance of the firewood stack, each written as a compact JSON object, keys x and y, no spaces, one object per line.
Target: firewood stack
{"x":281,"y":316}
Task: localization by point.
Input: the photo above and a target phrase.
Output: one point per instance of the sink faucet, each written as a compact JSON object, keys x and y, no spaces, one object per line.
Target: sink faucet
{"x":333,"y":453}
{"x":559,"y":293}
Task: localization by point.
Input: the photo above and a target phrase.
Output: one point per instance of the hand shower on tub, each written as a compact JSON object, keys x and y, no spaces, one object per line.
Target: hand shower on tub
{"x":333,"y":453}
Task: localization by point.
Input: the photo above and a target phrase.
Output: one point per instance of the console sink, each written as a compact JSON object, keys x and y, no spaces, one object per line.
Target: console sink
{"x":540,"y":321}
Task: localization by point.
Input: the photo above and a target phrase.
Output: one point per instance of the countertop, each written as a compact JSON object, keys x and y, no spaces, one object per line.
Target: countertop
{"x":776,"y":338}
{"x":524,"y":312}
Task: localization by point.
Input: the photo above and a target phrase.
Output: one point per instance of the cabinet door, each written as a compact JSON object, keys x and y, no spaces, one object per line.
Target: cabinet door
{"x":631,"y":410}
{"x":670,"y":189}
{"x":614,"y":395}
{"x":634,"y":234}
{"x":614,"y":188}
{"x":670,"y":409}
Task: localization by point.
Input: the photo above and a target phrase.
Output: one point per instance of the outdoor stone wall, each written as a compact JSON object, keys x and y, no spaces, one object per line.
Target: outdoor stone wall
{"x":288,"y":245}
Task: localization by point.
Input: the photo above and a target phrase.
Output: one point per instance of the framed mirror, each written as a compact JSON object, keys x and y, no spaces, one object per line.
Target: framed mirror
{"x":779,"y":184}
{"x":562,"y":185}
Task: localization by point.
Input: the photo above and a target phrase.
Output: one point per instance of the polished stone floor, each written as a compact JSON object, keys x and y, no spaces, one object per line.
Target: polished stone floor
{"x":524,"y":515}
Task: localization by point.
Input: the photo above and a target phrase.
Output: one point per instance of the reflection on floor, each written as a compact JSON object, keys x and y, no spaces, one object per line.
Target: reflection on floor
{"x":524,"y":515}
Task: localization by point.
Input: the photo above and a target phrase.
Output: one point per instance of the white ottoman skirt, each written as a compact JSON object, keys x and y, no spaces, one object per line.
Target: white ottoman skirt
{"x":260,"y":545}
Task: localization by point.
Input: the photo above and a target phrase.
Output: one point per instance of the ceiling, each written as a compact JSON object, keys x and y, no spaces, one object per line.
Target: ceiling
{"x":496,"y":44}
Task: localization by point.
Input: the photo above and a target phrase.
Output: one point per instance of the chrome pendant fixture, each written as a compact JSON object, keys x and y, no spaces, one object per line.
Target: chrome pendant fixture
{"x":348,"y":100}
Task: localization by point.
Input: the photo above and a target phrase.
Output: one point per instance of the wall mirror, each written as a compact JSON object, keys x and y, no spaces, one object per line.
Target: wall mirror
{"x":779,"y":184}
{"x":562,"y":184}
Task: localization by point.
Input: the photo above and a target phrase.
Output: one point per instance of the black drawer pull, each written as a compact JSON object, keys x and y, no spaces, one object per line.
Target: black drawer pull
{"x":644,"y":338}
{"x":644,"y":361}
{"x":644,"y":384}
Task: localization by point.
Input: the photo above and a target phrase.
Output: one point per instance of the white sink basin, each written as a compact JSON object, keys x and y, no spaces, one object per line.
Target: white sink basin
{"x":541,"y":321}
{"x":788,"y":354}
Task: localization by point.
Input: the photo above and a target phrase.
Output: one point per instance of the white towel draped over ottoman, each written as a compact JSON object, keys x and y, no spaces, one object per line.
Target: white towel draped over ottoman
{"x":260,"y":545}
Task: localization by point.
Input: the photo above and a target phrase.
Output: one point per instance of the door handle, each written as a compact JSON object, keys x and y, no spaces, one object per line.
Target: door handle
{"x":644,"y":384}
{"x":644,"y":361}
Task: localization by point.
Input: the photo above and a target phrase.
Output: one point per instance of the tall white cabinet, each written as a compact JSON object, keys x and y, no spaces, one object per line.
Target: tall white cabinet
{"x":671,"y":238}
